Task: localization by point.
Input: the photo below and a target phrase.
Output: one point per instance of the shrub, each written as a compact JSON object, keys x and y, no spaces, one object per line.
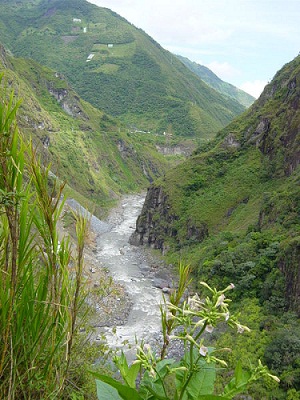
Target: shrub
{"x":39,"y":293}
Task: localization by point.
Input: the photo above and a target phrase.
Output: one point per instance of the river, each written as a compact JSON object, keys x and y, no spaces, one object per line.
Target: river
{"x":129,"y":265}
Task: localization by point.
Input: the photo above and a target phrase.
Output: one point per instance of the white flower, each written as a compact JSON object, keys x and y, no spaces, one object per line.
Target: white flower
{"x":209,"y":328}
{"x":169,"y":315}
{"x":242,"y":328}
{"x":147,"y":347}
{"x":229,"y":287}
{"x":274,"y":377}
{"x":220,"y":301}
{"x":194,"y":303}
{"x":152,"y":373}
{"x":203,"y":350}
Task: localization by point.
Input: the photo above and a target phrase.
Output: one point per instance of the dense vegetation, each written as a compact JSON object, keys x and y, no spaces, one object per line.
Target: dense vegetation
{"x":91,"y":151}
{"x":215,"y":82}
{"x":232,"y":212}
{"x":116,"y":67}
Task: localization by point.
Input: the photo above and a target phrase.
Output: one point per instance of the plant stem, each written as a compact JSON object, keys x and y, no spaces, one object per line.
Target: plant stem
{"x":191,"y":373}
{"x":162,"y":382}
{"x":191,"y":353}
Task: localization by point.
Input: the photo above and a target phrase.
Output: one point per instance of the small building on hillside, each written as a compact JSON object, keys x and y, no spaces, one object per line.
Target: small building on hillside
{"x":90,"y":57}
{"x":76,"y":20}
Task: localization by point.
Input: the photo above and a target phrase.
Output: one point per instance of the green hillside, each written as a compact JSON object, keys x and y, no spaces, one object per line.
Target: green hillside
{"x":215,"y":82}
{"x":115,"y":66}
{"x":88,"y":149}
{"x":231,"y":211}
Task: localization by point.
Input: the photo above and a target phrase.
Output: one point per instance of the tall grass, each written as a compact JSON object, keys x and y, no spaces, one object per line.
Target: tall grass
{"x":39,"y":291}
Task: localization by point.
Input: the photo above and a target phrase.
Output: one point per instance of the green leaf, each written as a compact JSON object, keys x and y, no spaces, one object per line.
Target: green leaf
{"x":153,"y":386}
{"x":163,"y":364}
{"x":238,"y":383}
{"x":126,"y":392}
{"x":238,"y":373}
{"x":105,"y":391}
{"x":129,"y":374}
{"x":121,"y":363}
{"x":202,"y":382}
{"x":132,"y":374}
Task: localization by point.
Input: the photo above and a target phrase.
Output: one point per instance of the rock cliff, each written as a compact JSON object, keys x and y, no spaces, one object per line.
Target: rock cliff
{"x":157,"y":222}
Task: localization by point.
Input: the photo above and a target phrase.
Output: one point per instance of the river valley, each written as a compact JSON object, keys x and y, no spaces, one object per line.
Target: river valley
{"x":136,"y":270}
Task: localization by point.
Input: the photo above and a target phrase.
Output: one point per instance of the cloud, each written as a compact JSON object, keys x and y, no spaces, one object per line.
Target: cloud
{"x":254,"y":88}
{"x":173,"y":22}
{"x":224,"y":70}
{"x":243,"y":42}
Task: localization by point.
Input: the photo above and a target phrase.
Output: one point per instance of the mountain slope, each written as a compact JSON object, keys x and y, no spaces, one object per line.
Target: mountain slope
{"x":232,"y":212}
{"x":232,"y":209}
{"x":215,"y":82}
{"x":114,"y":66}
{"x":87,"y":148}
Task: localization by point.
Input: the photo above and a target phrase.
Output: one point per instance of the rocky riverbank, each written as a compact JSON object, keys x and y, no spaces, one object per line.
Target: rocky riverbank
{"x":124,"y":282}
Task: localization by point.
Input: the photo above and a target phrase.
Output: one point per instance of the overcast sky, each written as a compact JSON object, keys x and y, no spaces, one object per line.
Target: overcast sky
{"x":245,"y":42}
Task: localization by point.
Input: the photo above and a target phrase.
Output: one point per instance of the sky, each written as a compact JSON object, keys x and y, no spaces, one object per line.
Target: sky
{"x":244,"y":42}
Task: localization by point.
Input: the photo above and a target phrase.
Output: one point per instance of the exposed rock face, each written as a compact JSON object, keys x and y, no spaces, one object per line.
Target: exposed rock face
{"x":127,"y":151}
{"x":230,"y":141}
{"x":288,"y":111}
{"x":196,"y":233}
{"x":46,"y":141}
{"x":289,"y":266}
{"x":180,"y":150}
{"x":277,"y":131}
{"x":155,"y":221}
{"x":70,"y":104}
{"x":3,"y":58}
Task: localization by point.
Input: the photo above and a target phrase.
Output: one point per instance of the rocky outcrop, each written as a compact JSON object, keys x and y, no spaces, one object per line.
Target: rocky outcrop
{"x":3,"y":58}
{"x":177,"y":150}
{"x":258,"y":133}
{"x":276,"y":132}
{"x":289,"y":266}
{"x":72,"y":108}
{"x":230,"y":141}
{"x":155,"y":222}
{"x":196,"y":233}
{"x":69,"y":103}
{"x":126,"y":151}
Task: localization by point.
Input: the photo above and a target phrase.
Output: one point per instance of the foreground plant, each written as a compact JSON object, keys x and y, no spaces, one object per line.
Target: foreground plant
{"x":39,"y":296}
{"x":193,"y":376}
